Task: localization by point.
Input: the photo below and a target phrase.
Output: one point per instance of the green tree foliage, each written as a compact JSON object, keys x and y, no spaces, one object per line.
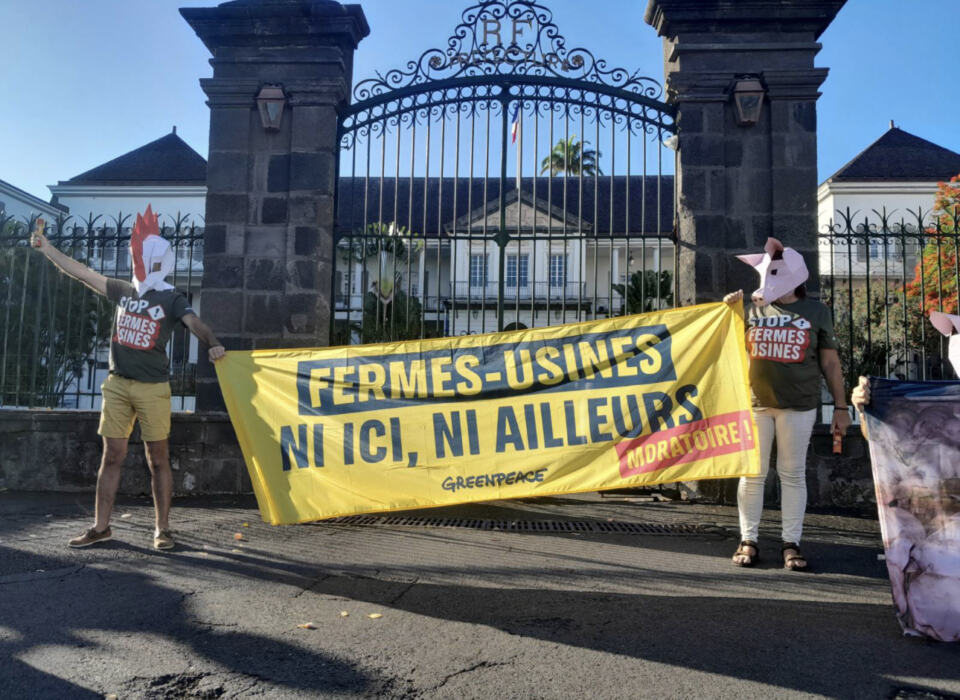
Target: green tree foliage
{"x":49,"y":324}
{"x":396,"y":319}
{"x":644,"y":289}
{"x":569,"y":156}
{"x":866,"y":347}
{"x":934,"y":284}
{"x":388,"y":252}
{"x":393,"y":243}
{"x":889,"y":334}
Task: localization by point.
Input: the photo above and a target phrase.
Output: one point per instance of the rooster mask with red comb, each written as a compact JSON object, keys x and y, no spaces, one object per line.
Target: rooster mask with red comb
{"x":153,"y":258}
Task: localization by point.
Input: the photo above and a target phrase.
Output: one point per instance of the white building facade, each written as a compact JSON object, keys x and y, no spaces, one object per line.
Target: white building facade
{"x":891,"y":186}
{"x":566,"y":256}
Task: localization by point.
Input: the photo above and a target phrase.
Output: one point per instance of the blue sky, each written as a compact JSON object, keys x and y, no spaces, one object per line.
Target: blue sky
{"x":84,"y":82}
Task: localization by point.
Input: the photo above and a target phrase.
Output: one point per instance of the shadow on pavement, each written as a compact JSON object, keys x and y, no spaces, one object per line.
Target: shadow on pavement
{"x":132,"y":603}
{"x":827,"y":647}
{"x":833,"y":649}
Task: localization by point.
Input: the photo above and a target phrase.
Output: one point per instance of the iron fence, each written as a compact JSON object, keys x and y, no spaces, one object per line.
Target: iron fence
{"x":881,"y":275}
{"x":54,"y":331}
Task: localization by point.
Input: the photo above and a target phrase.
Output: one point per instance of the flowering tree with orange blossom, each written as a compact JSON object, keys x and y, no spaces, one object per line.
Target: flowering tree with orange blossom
{"x":934,"y":285}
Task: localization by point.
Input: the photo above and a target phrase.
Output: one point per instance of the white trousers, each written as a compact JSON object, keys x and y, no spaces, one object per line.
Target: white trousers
{"x":792,"y":430}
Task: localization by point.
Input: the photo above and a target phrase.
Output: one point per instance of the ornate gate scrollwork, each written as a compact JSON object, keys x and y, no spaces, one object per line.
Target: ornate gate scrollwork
{"x":505,"y":179}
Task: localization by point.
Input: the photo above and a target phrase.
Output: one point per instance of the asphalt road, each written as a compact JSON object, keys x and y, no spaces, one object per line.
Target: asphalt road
{"x":463,"y":613}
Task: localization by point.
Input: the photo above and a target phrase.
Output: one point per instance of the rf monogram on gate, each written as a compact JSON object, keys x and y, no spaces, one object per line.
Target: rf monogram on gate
{"x":520,"y":50}
{"x":493,"y":26}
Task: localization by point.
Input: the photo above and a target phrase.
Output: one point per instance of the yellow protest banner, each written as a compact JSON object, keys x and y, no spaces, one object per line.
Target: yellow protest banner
{"x":629,"y":401}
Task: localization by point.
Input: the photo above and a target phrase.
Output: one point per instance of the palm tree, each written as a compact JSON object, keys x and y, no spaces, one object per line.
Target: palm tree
{"x":384,"y":251}
{"x":571,"y":158}
{"x":647,"y":290}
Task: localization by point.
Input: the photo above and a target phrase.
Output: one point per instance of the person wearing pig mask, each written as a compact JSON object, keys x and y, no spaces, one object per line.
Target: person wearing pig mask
{"x":936,"y":444}
{"x":949,"y":429}
{"x":949,"y":326}
{"x":790,"y":343}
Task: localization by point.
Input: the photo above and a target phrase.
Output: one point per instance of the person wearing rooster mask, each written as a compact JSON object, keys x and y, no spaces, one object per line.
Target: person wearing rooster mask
{"x":138,"y":386}
{"x":790,"y":343}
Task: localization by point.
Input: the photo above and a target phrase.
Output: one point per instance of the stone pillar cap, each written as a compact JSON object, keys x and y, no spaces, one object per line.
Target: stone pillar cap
{"x":672,"y":17}
{"x":258,"y":23}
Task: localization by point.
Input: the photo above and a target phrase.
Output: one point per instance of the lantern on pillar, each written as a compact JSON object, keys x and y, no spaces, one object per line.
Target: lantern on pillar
{"x":270,"y":102}
{"x":748,"y":94}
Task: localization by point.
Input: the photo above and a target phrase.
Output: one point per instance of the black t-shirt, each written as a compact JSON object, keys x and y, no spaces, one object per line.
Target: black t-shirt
{"x":784,"y":343}
{"x":141,"y":329}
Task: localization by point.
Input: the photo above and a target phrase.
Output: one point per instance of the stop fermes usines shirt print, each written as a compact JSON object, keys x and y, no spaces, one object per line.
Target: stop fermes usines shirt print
{"x":141,"y":328}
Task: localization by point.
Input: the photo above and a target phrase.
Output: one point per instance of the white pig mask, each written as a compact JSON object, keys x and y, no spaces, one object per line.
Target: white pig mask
{"x":949,"y":325}
{"x":777,"y":277}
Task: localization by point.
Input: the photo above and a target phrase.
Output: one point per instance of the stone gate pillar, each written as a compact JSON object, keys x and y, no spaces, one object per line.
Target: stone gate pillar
{"x":738,"y":184}
{"x":268,"y":244}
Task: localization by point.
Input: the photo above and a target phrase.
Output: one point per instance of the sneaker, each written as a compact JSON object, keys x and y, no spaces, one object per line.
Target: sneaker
{"x":91,"y":536}
{"x":163,"y":540}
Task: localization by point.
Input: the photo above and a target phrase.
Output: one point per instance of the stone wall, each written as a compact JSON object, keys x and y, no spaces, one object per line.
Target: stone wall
{"x":845,"y":480}
{"x":60,"y":451}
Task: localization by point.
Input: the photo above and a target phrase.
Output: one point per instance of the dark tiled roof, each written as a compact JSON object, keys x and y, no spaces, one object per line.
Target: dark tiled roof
{"x":898,"y":155}
{"x":166,"y":161}
{"x":441,"y":211}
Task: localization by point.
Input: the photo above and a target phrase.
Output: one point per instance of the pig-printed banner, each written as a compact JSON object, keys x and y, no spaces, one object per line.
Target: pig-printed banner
{"x":915,"y":450}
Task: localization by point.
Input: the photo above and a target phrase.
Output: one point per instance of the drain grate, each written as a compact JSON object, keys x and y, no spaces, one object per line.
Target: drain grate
{"x":584,"y":526}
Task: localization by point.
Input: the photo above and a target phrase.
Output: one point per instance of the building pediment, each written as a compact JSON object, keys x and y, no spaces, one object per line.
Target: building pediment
{"x":522,"y":212}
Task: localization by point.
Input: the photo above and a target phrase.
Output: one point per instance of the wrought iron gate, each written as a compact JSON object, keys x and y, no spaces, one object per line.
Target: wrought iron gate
{"x":498,"y":184}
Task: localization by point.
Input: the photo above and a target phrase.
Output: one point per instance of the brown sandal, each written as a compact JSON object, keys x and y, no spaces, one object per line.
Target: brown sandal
{"x":795,"y":561}
{"x":742,"y":551}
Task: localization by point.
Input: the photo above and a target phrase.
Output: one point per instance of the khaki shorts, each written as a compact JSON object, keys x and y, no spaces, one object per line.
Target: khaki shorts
{"x":126,"y":400}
